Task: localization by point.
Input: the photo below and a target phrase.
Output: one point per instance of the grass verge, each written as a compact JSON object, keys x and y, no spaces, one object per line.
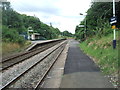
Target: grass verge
{"x":104,"y":55}
{"x":9,"y":48}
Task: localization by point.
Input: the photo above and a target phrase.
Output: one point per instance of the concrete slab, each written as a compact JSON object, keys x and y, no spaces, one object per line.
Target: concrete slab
{"x":34,"y":43}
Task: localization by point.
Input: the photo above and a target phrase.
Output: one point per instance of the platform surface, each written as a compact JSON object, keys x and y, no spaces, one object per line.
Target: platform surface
{"x":81,"y":72}
{"x":34,"y":43}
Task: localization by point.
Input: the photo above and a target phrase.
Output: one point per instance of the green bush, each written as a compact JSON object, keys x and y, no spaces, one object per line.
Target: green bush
{"x":11,"y":35}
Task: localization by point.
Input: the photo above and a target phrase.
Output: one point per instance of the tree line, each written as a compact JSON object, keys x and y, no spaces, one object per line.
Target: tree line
{"x":14,"y":24}
{"x":97,"y":20}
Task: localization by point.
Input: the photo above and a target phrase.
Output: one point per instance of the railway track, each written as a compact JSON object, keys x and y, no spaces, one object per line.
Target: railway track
{"x":10,"y":61}
{"x":44,"y":63}
{"x":45,"y":74}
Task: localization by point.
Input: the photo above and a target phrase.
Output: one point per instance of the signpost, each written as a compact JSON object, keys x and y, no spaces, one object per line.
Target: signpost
{"x":113,"y":22}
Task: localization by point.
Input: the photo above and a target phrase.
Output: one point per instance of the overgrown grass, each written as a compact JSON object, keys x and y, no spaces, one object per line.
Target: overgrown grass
{"x":102,"y":51}
{"x":9,"y":48}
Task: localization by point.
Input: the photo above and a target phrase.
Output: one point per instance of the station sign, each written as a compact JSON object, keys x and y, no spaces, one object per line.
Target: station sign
{"x":113,"y":20}
{"x":81,"y":26}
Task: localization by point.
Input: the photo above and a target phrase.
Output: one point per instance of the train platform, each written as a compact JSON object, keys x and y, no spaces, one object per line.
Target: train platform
{"x":81,"y":72}
{"x":34,"y":43}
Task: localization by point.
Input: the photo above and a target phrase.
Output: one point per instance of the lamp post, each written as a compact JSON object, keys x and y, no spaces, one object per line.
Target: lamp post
{"x":85,"y":25}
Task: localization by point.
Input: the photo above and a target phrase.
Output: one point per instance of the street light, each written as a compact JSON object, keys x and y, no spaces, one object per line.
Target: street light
{"x":81,"y":14}
{"x":85,"y":25}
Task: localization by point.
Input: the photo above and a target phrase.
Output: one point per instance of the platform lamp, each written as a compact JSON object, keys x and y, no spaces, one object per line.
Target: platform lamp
{"x":85,"y":25}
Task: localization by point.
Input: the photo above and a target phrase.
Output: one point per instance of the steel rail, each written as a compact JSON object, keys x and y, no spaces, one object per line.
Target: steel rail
{"x":33,"y":52}
{"x":23,"y":53}
{"x":45,"y":74}
{"x":23,"y":73}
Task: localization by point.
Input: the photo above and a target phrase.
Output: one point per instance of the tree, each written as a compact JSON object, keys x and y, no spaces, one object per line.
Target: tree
{"x":97,"y":18}
{"x":66,"y":33}
{"x":20,"y":23}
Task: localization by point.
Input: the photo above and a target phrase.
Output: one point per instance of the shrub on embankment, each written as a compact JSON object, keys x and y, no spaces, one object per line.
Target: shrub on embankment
{"x":11,"y":35}
{"x":12,"y":42}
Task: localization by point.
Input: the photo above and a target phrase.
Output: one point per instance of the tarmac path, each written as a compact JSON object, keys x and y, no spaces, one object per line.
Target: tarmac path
{"x":81,"y":72}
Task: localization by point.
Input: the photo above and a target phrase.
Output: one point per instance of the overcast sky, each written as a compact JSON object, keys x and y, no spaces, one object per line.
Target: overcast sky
{"x":63,"y":14}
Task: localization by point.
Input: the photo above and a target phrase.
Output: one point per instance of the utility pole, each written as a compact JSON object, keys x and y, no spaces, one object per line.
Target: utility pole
{"x":114,"y":31}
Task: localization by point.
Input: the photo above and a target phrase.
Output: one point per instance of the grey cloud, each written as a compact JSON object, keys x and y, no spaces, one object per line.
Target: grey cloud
{"x":48,"y":9}
{"x":46,"y":16}
{"x":76,"y":17}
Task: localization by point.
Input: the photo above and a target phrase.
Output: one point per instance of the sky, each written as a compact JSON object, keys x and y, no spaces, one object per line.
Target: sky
{"x":63,"y":14}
